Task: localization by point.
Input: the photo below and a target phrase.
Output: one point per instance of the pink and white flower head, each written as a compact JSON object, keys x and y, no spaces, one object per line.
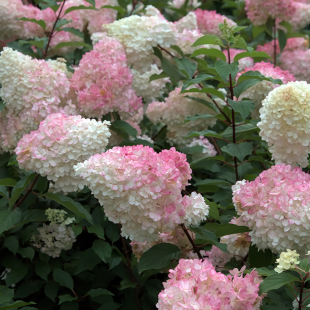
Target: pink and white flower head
{"x":179,"y":3}
{"x":103,"y":81}
{"x":300,"y":18}
{"x":61,"y":142}
{"x":208,"y":149}
{"x":141,"y":189}
{"x":139,"y":34}
{"x":275,"y":206}
{"x":258,"y":11}
{"x":243,"y":63}
{"x":194,"y":284}
{"x":174,"y":111}
{"x":259,"y":91}
{"x":208,"y":22}
{"x":188,"y":22}
{"x":284,"y":123}
{"x":297,"y":62}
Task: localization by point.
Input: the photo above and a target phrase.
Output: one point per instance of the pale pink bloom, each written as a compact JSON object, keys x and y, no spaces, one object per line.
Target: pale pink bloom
{"x":243,"y":62}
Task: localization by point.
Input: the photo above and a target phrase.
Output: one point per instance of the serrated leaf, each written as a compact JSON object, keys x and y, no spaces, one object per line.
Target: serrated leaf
{"x":40,"y":22}
{"x":102,"y":249}
{"x":158,"y":76}
{"x":11,"y":243}
{"x":206,"y":90}
{"x":97,"y":230}
{"x":158,"y":256}
{"x":186,"y":66}
{"x":61,"y":22}
{"x":49,"y":4}
{"x":210,"y":52}
{"x":98,"y":291}
{"x":114,"y":7}
{"x":19,"y":187}
{"x":240,"y":132}
{"x":276,"y":281}
{"x":8,"y":218}
{"x":65,"y":44}
{"x":87,"y":261}
{"x":256,"y":75}
{"x":225,"y":229}
{"x":42,"y":269}
{"x":63,"y":278}
{"x":239,"y":43}
{"x":238,"y":150}
{"x":199,"y":78}
{"x":80,"y":7}
{"x":224,"y":69}
{"x":207,"y":39}
{"x":71,"y":205}
{"x":66,"y":297}
{"x":253,"y":54}
{"x":244,"y":107}
{"x":17,"y":304}
{"x":114,"y":259}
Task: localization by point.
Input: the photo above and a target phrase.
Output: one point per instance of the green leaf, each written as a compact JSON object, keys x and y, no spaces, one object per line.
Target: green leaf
{"x":12,"y":244}
{"x":244,"y":107}
{"x":205,"y":133}
{"x":4,"y":192}
{"x":49,"y":4}
{"x":16,"y":304}
{"x":6,"y":294}
{"x":65,"y":44}
{"x":98,"y":291}
{"x":201,"y":161}
{"x":111,"y":305}
{"x":259,"y":258}
{"x":42,"y":269}
{"x":239,"y":43}
{"x":276,"y":281}
{"x":186,"y":66}
{"x":38,"y":22}
{"x":206,"y":90}
{"x":176,"y":48}
{"x":71,"y":205}
{"x":32,"y":216}
{"x":77,"y":230}
{"x":238,"y":150}
{"x":153,"y":288}
{"x":207,"y":39}
{"x":66,"y":297}
{"x":51,"y":289}
{"x":241,"y":131}
{"x":97,"y":230}
{"x":27,"y":252}
{"x":225,"y":229}
{"x":158,"y":256}
{"x":257,"y":30}
{"x":210,"y":52}
{"x":253,"y":54}
{"x":80,"y":7}
{"x":287,"y":25}
{"x":199,"y":116}
{"x":19,"y":187}
{"x":61,"y":22}
{"x":124,"y":129}
{"x":87,"y":261}
{"x":209,"y":236}
{"x":114,"y":259}
{"x":265,"y":271}
{"x":213,"y":209}
{"x":92,"y":2}
{"x":238,"y":28}
{"x":114,"y":7}
{"x":224,"y":69}
{"x":2,"y":105}
{"x":256,"y":75}
{"x":136,"y":142}
{"x":200,"y":77}
{"x":158,"y":76}
{"x":205,"y":102}
{"x":282,"y":39}
{"x":102,"y":249}
{"x":39,"y":43}
{"x":8,"y":182}
{"x":8,"y":218}
{"x":63,"y":278}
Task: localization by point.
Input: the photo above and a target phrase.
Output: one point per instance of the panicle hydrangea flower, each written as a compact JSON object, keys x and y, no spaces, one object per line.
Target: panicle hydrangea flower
{"x":243,"y":63}
{"x":208,"y":149}
{"x":301,"y":16}
{"x":179,"y":3}
{"x":177,"y":237}
{"x":58,"y":216}
{"x":188,"y":22}
{"x":275,"y":206}
{"x":297,"y":62}
{"x":259,"y":91}
{"x":292,"y":44}
{"x":258,"y":11}
{"x":173,"y":112}
{"x":285,"y":123}
{"x":194,"y":285}
{"x":61,"y":142}
{"x":139,"y":34}
{"x":287,"y":260}
{"x":208,"y":22}
{"x":149,"y":91}
{"x":103,"y":81}
{"x":142,"y":189}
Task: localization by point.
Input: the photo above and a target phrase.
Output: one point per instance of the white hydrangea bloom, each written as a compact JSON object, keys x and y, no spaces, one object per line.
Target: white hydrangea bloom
{"x":97,"y":36}
{"x":208,"y":148}
{"x":139,"y":34}
{"x":237,"y":244}
{"x":61,"y":142}
{"x":188,"y":22}
{"x":149,"y":91}
{"x":287,"y":260}
{"x":197,"y":210}
{"x":285,"y":123}
{"x":179,"y":3}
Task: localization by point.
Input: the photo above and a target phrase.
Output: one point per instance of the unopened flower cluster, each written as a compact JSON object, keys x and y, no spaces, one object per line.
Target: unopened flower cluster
{"x":287,"y":260}
{"x":194,"y":284}
{"x":275,"y":206}
{"x":61,"y":142}
{"x":56,"y":236}
{"x":141,"y":190}
{"x":285,"y":123}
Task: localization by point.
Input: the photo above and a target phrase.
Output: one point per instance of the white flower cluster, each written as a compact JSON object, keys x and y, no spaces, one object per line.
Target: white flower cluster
{"x":285,"y":124}
{"x":139,"y":34}
{"x":148,"y":90}
{"x":61,"y":142}
{"x":56,"y":236}
{"x":287,"y":260}
{"x":179,"y":3}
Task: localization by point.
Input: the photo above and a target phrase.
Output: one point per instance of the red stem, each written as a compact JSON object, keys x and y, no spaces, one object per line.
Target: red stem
{"x":195,"y":248}
{"x":28,"y":192}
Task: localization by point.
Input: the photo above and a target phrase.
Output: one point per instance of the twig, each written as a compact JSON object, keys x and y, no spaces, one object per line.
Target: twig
{"x":196,"y":250}
{"x":160,"y":131}
{"x":301,"y":290}
{"x":275,"y":43}
{"x":216,"y":146}
{"x":163,"y":49}
{"x":134,"y":4}
{"x":54,"y":26}
{"x":28,"y":192}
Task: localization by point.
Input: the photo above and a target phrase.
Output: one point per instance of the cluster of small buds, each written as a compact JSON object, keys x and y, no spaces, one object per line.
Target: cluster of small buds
{"x":285,"y":123}
{"x":194,"y":284}
{"x":56,"y":216}
{"x":61,"y":142}
{"x":141,"y":189}
{"x":275,"y":206}
{"x":287,"y":260}
{"x":208,"y":149}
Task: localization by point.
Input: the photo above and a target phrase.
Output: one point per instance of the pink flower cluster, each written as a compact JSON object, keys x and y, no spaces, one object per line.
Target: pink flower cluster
{"x":195,"y":285}
{"x":141,"y":189}
{"x":276,"y":207}
{"x":208,"y":21}
{"x":103,"y":81}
